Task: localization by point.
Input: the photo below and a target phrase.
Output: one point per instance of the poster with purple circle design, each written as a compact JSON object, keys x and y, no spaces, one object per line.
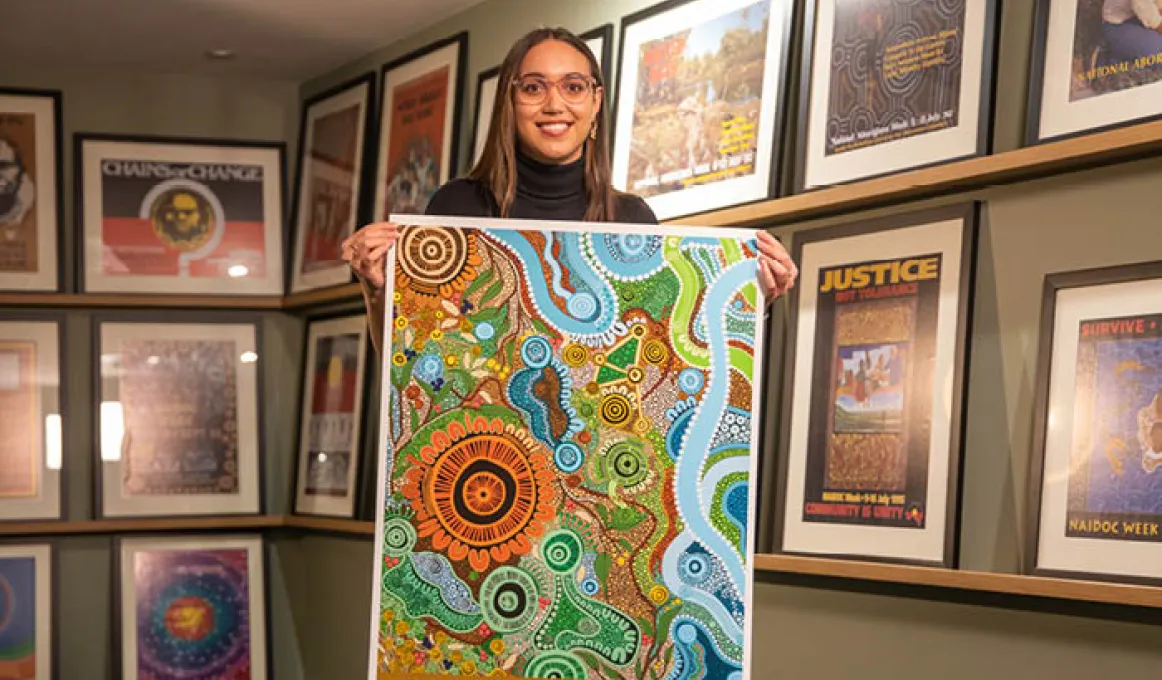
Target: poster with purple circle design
{"x":193,"y":614}
{"x":18,"y":617}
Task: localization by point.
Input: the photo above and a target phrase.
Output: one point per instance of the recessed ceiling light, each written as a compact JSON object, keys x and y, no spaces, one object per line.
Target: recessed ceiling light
{"x":221,"y":53}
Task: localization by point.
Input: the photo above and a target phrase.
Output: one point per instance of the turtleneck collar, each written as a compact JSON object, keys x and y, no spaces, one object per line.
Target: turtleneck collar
{"x":539,"y":181}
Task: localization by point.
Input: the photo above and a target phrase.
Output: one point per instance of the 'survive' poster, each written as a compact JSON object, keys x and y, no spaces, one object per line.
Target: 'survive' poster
{"x":331,"y":185}
{"x":1115,"y":471}
{"x":566,"y":480}
{"x":870,"y":410}
{"x":416,"y":142}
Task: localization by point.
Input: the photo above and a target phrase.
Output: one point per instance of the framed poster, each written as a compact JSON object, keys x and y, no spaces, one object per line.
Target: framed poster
{"x":179,"y":426}
{"x":31,"y":408}
{"x":332,"y":416}
{"x":1096,"y":480}
{"x":893,"y":86}
{"x":600,"y":43}
{"x":28,"y":629}
{"x":333,"y":145}
{"x":873,"y":388}
{"x":571,"y":462}
{"x":189,"y":216}
{"x":418,"y":130}
{"x":1095,"y":66}
{"x":486,"y":86}
{"x":31,"y":190}
{"x":700,"y":103}
{"x":191,"y":607}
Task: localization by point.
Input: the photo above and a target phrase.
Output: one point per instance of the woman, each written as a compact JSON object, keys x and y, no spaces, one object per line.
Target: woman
{"x":546,"y":158}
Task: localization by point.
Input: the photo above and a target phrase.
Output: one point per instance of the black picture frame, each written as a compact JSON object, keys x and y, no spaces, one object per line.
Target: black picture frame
{"x":969,"y":214}
{"x":986,"y":114}
{"x":117,"y":604}
{"x":276,"y":256}
{"x":52,"y":545}
{"x":780,"y":119}
{"x":60,"y":249}
{"x":1053,"y":284}
{"x":365,"y":418}
{"x":1035,"y":102}
{"x":364,"y":175}
{"x":605,"y":33}
{"x":456,"y":89}
{"x":60,"y":319}
{"x":478,"y":129}
{"x":171,"y":316}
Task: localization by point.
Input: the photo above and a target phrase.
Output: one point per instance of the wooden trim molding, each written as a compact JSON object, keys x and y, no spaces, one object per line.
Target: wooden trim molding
{"x":1007,"y":584}
{"x":94,"y":300}
{"x":342,"y":526}
{"x":134,"y":525}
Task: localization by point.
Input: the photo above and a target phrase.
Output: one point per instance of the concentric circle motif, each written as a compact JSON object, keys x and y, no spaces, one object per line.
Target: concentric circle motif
{"x":508,"y":600}
{"x":599,"y":358}
{"x":659,"y":594}
{"x":686,"y":633}
{"x":632,"y":248}
{"x":433,"y":258}
{"x":694,"y":568}
{"x":398,"y":537}
{"x":562,"y":551}
{"x":656,"y":352}
{"x":583,"y":307}
{"x":626,"y":464}
{"x":477,"y":487}
{"x":569,"y":457}
{"x":590,"y":587}
{"x":536,"y":352}
{"x":642,"y":425}
{"x":635,"y":374}
{"x":639,"y":331}
{"x":484,"y":330}
{"x":556,"y":665}
{"x":575,"y":355}
{"x":691,"y":380}
{"x":616,"y":409}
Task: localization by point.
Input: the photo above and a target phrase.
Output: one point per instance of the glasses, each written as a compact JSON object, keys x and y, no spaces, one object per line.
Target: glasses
{"x":573,"y":88}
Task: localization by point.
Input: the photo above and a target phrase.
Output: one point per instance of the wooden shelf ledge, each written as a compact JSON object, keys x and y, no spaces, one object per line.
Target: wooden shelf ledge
{"x":137,"y":524}
{"x":1007,"y":584}
{"x":1053,"y":158}
{"x":95,"y":300}
{"x":323,"y":296}
{"x":342,"y":526}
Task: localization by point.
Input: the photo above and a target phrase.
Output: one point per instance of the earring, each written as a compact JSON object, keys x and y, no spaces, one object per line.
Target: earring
{"x":593,"y":130}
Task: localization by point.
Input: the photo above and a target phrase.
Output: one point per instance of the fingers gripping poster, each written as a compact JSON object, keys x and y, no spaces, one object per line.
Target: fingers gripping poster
{"x":568,"y":448}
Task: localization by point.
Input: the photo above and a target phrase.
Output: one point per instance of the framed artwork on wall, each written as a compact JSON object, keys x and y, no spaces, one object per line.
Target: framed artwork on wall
{"x":31,"y":413}
{"x":700,"y":103}
{"x":191,"y":607}
{"x":332,"y":417}
{"x":419,"y":125}
{"x":600,"y":43}
{"x":29,"y":634}
{"x":873,"y":388}
{"x":178,"y":424}
{"x":486,"y":86}
{"x":334,"y":143}
{"x":1095,"y":66}
{"x":180,"y":216}
{"x":31,"y":190}
{"x":575,"y":462}
{"x":1096,"y":479}
{"x":892,"y":86}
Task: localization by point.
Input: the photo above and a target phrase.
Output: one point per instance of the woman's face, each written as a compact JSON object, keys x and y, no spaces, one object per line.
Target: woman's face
{"x":555,"y":101}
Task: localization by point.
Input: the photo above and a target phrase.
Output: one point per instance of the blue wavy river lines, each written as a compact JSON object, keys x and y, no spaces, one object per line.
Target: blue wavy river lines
{"x":601,"y":291}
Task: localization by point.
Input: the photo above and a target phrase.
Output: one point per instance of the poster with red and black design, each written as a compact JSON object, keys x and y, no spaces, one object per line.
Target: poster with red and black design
{"x":182,"y":219}
{"x":871,"y":411}
{"x":19,"y":419}
{"x":331,"y":185}
{"x":334,"y":382}
{"x":415,"y":144}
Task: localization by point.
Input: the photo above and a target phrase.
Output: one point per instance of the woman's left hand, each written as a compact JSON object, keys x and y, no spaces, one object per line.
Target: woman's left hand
{"x":777,"y":272}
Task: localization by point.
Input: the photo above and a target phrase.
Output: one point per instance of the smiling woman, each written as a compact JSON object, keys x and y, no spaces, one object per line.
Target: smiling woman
{"x":546,"y":157}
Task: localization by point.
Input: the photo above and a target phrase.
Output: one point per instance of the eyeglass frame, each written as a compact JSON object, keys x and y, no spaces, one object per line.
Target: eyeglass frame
{"x":551,"y":84}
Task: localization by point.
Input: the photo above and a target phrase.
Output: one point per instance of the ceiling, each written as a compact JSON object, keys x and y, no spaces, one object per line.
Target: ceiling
{"x":280,"y":39}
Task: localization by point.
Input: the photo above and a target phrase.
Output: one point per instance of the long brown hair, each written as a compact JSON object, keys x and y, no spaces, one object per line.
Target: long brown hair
{"x":497,"y":165}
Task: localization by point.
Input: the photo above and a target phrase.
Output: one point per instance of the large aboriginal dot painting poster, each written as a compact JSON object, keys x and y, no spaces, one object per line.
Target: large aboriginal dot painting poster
{"x":569,"y":449}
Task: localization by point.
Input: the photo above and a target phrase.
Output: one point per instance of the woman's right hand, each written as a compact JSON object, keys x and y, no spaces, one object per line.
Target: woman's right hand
{"x":366,"y":249}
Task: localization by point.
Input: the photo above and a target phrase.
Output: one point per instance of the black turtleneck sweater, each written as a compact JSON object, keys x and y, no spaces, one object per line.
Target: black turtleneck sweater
{"x":543,"y":192}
